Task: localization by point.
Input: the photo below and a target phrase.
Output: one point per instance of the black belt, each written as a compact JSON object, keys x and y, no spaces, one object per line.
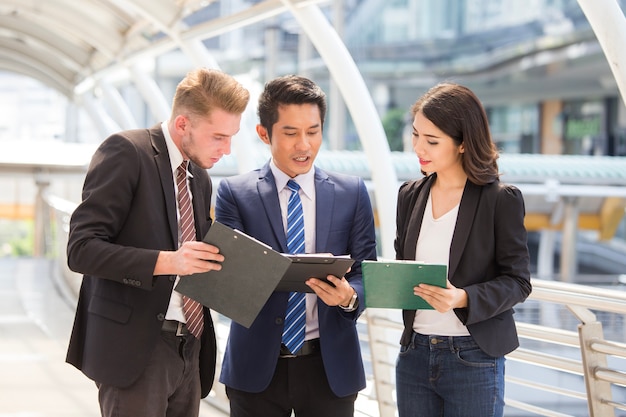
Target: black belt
{"x":173,"y":326}
{"x":308,"y":348}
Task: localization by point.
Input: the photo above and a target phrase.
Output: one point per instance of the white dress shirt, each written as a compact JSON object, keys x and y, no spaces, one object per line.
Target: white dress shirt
{"x":307,"y":196}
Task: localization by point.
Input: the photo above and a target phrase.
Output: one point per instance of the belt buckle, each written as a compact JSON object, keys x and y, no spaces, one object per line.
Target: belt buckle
{"x":179,"y":329}
{"x":286,"y":354}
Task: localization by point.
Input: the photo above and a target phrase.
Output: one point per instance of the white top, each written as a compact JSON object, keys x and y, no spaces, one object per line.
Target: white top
{"x":433,"y":246}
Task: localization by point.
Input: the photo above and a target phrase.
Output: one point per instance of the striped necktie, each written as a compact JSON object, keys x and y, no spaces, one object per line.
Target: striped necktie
{"x":295,"y":320}
{"x":191,"y":308}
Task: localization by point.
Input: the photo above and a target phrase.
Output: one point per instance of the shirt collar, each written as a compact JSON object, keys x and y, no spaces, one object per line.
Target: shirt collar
{"x":305,"y":181}
{"x":176,"y":157}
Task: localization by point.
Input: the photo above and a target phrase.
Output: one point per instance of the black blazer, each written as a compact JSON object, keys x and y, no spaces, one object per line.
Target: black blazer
{"x":488,"y":257}
{"x":128,"y":214}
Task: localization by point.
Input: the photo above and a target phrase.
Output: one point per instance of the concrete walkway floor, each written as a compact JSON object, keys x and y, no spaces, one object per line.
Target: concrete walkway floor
{"x":35,"y":323}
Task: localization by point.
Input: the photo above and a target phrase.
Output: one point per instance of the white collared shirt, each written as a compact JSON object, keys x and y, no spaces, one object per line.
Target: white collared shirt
{"x":175,"y":308}
{"x":307,"y":195}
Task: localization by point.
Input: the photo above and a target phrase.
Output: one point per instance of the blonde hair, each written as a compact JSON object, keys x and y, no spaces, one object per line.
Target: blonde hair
{"x":203,"y":90}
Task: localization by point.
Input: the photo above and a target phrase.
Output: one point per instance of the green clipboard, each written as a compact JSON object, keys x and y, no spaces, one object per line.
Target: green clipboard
{"x":389,"y":284}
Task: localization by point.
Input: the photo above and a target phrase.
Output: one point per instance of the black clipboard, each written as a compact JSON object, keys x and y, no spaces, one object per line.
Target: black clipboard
{"x":307,"y":266}
{"x":250,"y":272}
{"x":389,"y":284}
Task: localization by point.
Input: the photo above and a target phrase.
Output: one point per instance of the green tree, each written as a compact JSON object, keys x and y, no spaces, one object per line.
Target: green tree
{"x":394,"y":123}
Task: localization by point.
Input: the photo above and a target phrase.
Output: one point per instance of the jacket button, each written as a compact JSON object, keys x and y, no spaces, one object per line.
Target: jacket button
{"x":160,"y":316}
{"x":279,"y":320}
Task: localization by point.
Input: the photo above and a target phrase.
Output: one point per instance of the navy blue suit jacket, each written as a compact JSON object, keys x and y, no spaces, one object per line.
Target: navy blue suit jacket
{"x":344,"y":226}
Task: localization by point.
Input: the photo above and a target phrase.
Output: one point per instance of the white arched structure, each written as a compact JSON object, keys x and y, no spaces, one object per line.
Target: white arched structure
{"x":609,"y":24}
{"x":72,"y":46}
{"x":361,"y":106}
{"x":117,"y":106}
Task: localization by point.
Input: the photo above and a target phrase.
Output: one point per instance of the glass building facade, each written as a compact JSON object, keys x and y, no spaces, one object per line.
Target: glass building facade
{"x":535,"y":64}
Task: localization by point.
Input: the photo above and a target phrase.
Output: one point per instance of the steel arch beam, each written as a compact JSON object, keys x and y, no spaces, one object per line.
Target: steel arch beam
{"x":609,"y":24}
{"x":35,"y":71}
{"x":361,"y":106}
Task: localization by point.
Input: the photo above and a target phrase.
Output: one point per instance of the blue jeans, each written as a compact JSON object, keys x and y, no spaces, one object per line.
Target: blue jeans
{"x":448,"y":376}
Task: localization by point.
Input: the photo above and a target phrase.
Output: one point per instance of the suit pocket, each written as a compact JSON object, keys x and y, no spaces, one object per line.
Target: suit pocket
{"x":109,"y":309}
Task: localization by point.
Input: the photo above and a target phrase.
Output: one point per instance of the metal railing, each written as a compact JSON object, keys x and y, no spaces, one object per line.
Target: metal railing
{"x":571,"y":362}
{"x":554,"y":363}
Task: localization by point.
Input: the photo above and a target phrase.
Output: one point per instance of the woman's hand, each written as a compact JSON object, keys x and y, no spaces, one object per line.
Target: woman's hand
{"x":442,"y":299}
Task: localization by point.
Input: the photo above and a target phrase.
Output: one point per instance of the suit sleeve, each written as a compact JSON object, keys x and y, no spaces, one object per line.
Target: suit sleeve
{"x":226,"y":210}
{"x":511,"y":283}
{"x":102,"y":216}
{"x":363,"y":242}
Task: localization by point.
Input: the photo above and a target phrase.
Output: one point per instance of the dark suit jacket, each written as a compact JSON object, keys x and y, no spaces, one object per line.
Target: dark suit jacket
{"x":488,"y":257}
{"x":344,"y":225}
{"x":128,"y":214}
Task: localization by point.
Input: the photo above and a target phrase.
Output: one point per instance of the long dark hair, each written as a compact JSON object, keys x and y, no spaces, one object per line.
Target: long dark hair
{"x":457,"y":112}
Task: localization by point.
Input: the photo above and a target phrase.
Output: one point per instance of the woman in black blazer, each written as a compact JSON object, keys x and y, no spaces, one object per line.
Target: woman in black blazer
{"x":451,"y":361}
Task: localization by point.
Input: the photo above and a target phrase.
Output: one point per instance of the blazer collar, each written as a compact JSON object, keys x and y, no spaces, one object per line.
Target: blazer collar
{"x":164,"y":168}
{"x":464,"y":222}
{"x":268,"y":194}
{"x":465,"y":219}
{"x":324,"y":208}
{"x":415,"y":221}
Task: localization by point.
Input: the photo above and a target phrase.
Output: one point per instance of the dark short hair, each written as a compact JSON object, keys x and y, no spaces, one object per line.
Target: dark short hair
{"x":288,"y":89}
{"x":457,"y":112}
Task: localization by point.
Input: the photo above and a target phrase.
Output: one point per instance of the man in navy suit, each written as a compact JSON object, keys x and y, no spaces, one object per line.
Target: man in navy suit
{"x":262,"y":376}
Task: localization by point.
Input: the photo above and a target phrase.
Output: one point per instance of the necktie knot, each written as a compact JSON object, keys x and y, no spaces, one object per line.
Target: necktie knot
{"x":182,"y":168}
{"x":293,"y":186}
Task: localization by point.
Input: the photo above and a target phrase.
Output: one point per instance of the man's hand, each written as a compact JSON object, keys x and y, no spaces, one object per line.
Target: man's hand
{"x":191,"y":258}
{"x":340,"y":294}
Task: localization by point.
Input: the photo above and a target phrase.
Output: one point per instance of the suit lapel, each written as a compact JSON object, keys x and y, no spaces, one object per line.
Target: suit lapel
{"x":415,"y":221}
{"x":269,"y":197}
{"x":464,"y":221}
{"x":164,"y":167}
{"x":324,"y":204}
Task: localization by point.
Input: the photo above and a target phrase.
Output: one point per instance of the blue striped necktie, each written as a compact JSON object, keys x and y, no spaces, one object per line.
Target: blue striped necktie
{"x":295,"y":320}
